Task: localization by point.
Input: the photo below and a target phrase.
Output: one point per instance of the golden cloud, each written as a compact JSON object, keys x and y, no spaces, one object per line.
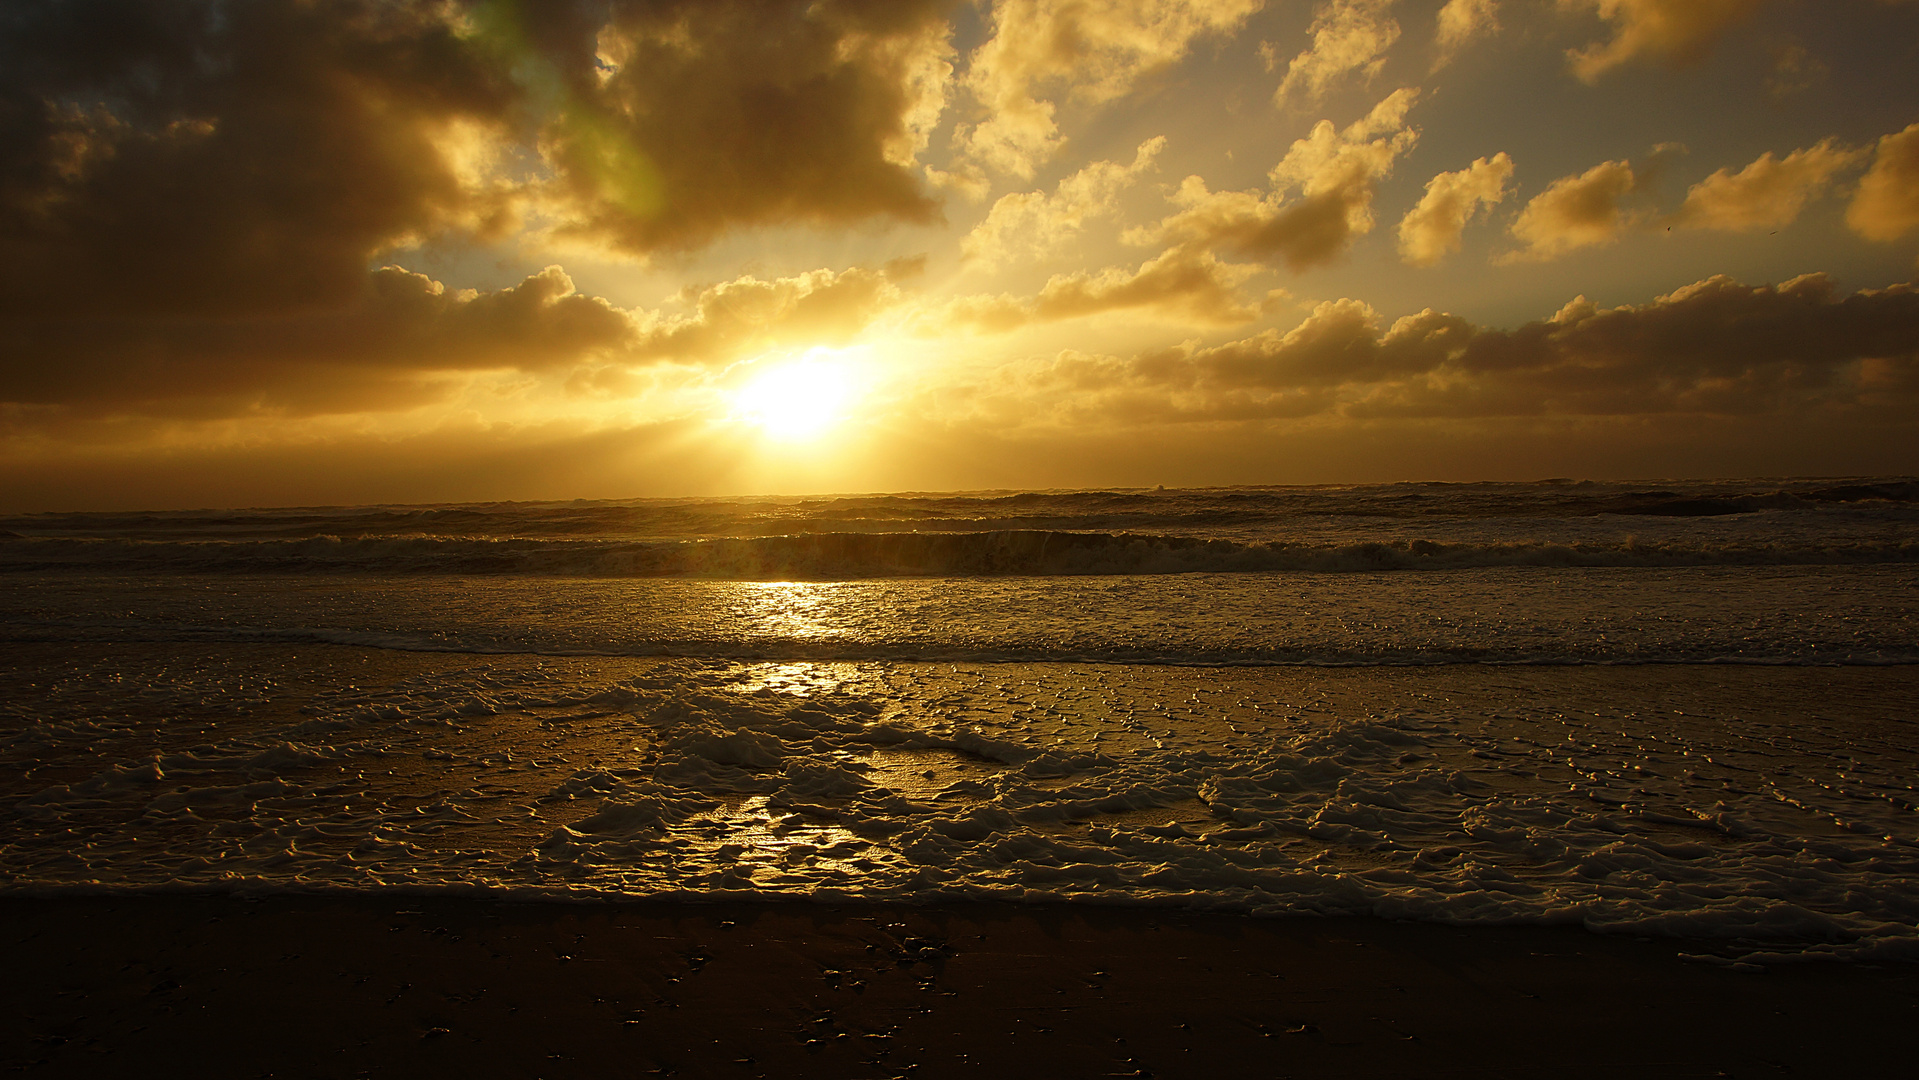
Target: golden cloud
{"x":1091,"y":51}
{"x":1574,"y":212}
{"x":1335,"y":173}
{"x":1767,"y":194}
{"x":1188,"y":284}
{"x":1033,"y":224}
{"x":1433,"y":228}
{"x":733,"y":319}
{"x":1678,"y":31}
{"x":1349,"y":36}
{"x":1459,"y":23}
{"x":1887,"y":204}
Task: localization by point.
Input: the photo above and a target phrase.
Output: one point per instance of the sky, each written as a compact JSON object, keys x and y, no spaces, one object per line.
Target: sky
{"x":306,"y":252}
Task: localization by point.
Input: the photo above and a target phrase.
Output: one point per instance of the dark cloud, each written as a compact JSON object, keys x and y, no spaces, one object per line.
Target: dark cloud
{"x":452,"y":463}
{"x":681,"y":119}
{"x":1713,"y":348}
{"x":395,"y":346}
{"x":201,"y":158}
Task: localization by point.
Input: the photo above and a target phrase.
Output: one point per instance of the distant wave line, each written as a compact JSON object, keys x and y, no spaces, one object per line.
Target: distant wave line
{"x":854,"y":555}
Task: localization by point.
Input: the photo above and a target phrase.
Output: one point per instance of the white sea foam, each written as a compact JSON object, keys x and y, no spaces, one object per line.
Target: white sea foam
{"x":1772,"y":805}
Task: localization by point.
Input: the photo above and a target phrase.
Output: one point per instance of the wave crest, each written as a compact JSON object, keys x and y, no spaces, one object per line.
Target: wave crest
{"x":848,"y":555}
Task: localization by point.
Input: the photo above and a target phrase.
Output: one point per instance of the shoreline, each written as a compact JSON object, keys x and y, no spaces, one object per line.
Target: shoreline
{"x":427,"y":986}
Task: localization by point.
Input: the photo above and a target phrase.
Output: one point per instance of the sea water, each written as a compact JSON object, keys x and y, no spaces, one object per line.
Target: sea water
{"x":1687,"y":708}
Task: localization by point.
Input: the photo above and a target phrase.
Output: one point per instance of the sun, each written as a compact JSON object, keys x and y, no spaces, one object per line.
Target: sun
{"x":797,"y":399}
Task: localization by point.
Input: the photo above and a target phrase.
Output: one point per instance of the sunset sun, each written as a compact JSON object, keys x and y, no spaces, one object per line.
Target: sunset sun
{"x":797,"y":399}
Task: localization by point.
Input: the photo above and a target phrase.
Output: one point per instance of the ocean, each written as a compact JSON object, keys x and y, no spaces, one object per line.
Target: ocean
{"x":1686,"y":709}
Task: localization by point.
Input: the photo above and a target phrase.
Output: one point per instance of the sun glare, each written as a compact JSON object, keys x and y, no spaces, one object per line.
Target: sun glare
{"x":797,"y":399}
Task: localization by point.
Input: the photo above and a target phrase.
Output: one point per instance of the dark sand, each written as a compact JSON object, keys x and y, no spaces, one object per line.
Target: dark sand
{"x":424,"y":988}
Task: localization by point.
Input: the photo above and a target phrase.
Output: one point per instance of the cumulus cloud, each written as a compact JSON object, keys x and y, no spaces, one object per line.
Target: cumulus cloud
{"x":1091,"y":51}
{"x":1032,"y":224}
{"x":671,"y":123}
{"x":1349,"y":36}
{"x":1334,"y":173}
{"x":1574,"y":212}
{"x":1887,"y":204}
{"x":1187,"y":284}
{"x":1677,"y":31}
{"x":1461,"y":22}
{"x":732,"y":319}
{"x":1767,"y":194}
{"x":1431,"y":229}
{"x":1716,"y":347}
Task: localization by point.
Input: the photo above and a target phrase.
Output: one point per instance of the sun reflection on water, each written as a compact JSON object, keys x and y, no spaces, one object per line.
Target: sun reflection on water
{"x":787,"y":610}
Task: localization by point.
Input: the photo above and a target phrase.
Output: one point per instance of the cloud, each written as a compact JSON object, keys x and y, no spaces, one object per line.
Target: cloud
{"x":1574,"y":212}
{"x":462,"y":460}
{"x":1767,"y":194}
{"x":1431,"y":229}
{"x":1092,"y":51}
{"x":673,"y":123}
{"x":1716,"y":348}
{"x":1459,"y":23}
{"x":1335,"y":173}
{"x":1033,"y":224}
{"x":401,"y":343}
{"x":408,"y":341}
{"x":1794,"y":71}
{"x":1677,"y":31}
{"x":192,"y":192}
{"x":1887,"y":204}
{"x":1188,"y":284}
{"x":1348,"y":36}
{"x":194,"y":156}
{"x":197,"y":157}
{"x":734,"y":319}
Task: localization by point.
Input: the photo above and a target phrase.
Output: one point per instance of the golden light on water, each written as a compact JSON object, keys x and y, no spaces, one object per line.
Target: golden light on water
{"x":798,"y":399}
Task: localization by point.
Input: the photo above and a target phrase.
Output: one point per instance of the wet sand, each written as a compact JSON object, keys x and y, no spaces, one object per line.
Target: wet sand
{"x":419,"y":987}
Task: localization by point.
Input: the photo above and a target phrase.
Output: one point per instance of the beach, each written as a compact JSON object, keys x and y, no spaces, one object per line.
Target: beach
{"x":423,"y":986}
{"x":1507,"y":785}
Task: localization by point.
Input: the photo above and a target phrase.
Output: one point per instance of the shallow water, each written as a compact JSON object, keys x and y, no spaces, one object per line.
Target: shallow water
{"x":1776,"y":615}
{"x":1716,"y":743}
{"x":1768,"y":803}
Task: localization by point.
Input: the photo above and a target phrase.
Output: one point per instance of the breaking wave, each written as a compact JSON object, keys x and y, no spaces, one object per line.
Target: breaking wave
{"x":848,"y":555}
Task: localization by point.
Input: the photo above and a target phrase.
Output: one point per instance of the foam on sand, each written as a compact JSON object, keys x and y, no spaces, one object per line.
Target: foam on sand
{"x":1635,"y":800}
